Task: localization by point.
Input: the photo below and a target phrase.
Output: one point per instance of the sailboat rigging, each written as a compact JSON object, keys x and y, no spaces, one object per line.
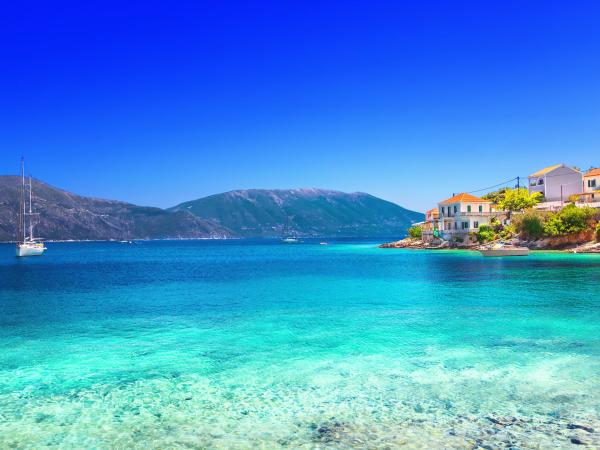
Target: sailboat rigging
{"x":27,"y":245}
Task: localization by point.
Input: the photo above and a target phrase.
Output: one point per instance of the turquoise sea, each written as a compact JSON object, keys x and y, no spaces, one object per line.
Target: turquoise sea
{"x":257,"y":344}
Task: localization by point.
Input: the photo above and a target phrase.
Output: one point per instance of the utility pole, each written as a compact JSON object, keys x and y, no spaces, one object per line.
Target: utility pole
{"x":561,"y":196}
{"x":518,"y":182}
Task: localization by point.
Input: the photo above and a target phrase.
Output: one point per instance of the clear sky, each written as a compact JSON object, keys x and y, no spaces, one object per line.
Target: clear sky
{"x":161,"y":102}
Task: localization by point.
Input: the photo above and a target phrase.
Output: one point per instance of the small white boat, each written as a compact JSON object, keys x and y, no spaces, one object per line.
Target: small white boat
{"x":290,"y":240}
{"x":27,"y":245}
{"x":501,"y":249}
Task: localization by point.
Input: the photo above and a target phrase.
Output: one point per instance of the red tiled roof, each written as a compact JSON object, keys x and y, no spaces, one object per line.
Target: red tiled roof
{"x":592,"y":173}
{"x":464,"y":198}
{"x":434,"y":212}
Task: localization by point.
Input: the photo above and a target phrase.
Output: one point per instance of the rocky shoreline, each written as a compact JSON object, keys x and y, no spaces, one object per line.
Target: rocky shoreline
{"x":541,"y":244}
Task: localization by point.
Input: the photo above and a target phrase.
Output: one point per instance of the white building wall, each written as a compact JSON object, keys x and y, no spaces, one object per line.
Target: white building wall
{"x":462,"y":214}
{"x":587,"y":188}
{"x":569,"y":179}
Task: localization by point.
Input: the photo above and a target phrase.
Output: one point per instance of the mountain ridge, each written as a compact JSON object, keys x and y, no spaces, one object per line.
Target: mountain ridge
{"x":65,"y":215}
{"x":303,"y":212}
{"x":237,"y":213}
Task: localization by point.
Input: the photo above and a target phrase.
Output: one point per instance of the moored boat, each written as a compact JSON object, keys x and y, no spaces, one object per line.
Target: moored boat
{"x":502,"y":249}
{"x":27,"y":245}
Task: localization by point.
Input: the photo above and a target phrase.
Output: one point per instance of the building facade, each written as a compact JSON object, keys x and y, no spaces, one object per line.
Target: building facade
{"x":591,"y":186}
{"x":431,"y":224}
{"x":461,"y":215}
{"x":556,"y":183}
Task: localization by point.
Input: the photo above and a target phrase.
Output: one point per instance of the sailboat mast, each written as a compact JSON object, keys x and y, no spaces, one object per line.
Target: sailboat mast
{"x":22,"y":203}
{"x":30,"y":212}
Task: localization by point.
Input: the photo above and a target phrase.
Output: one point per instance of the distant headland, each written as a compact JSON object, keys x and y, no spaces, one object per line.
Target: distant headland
{"x":236,"y":214}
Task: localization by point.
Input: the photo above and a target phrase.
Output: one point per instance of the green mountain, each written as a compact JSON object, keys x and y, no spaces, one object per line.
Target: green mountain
{"x":251,"y":213}
{"x":302,"y":212}
{"x":68,"y":216}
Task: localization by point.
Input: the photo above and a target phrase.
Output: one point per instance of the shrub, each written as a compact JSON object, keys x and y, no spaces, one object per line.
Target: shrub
{"x":495,"y":224}
{"x":574,"y":198}
{"x":530,"y":224}
{"x":570,"y":219}
{"x":415,"y":232}
{"x":485,"y":234}
{"x":598,"y":231}
{"x":507,"y":232}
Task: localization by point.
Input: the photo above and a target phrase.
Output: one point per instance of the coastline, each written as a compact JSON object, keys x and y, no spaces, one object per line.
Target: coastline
{"x":542,"y":245}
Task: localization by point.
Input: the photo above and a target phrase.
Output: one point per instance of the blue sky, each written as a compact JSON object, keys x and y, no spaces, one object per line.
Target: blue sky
{"x":161,"y":102}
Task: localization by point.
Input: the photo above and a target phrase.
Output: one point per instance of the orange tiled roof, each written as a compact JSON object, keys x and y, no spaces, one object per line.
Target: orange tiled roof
{"x":545,"y":170}
{"x":464,"y":197}
{"x":434,"y":212}
{"x":593,"y":173}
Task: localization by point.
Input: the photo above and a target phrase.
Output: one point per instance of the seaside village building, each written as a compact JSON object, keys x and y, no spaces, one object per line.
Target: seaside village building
{"x":591,"y":188}
{"x":458,"y":218}
{"x":556,"y":183}
{"x":430,"y":227}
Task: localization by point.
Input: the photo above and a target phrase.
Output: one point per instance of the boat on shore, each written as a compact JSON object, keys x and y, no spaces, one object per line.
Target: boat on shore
{"x":503,"y":249}
{"x":27,"y":245}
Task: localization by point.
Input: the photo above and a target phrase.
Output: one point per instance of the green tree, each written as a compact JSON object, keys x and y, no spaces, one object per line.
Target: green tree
{"x":415,"y":232}
{"x":518,"y":199}
{"x":495,"y":196}
{"x":485,"y":234}
{"x":570,"y":219}
{"x":598,"y":231}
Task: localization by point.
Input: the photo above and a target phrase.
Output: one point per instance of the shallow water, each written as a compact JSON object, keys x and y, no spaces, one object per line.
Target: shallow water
{"x":243,"y":344}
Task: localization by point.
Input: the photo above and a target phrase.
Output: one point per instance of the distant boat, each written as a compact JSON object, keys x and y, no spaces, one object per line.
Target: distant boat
{"x":323,"y":243}
{"x":27,"y":245}
{"x":502,"y":249}
{"x":289,"y":237}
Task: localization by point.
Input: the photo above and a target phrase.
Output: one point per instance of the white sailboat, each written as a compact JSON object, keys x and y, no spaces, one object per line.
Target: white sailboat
{"x":27,"y":245}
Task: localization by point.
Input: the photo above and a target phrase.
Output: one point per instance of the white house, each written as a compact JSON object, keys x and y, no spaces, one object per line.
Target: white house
{"x":556,"y":182}
{"x":461,"y":215}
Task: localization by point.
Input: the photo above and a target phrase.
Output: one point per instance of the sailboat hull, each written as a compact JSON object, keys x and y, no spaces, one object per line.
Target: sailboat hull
{"x":30,"y":250}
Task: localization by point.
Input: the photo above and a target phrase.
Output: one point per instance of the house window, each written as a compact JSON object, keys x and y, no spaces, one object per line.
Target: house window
{"x":592,"y":183}
{"x":468,"y":208}
{"x":540,"y":181}
{"x":480,"y":208}
{"x":443,"y":211}
{"x":465,"y":225}
{"x":532,"y":183}
{"x":456,"y":225}
{"x":455,"y":209}
{"x":475,"y":224}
